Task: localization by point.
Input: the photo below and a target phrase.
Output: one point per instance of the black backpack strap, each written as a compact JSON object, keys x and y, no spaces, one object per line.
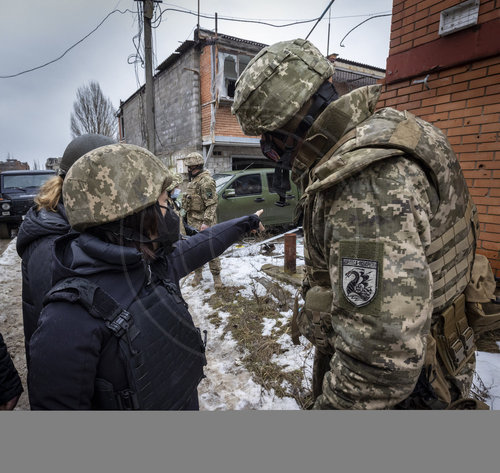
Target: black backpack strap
{"x":98,"y":303}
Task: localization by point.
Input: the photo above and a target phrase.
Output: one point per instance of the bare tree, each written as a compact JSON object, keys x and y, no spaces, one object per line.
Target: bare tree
{"x":92,"y":112}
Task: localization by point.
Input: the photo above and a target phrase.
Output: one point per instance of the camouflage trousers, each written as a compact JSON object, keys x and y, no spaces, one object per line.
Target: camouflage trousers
{"x":214,"y":266}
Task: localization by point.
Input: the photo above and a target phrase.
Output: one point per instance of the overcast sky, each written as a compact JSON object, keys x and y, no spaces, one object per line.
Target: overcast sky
{"x":35,"y":107}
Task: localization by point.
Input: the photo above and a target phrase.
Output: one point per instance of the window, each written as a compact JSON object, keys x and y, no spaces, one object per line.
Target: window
{"x":230,"y":68}
{"x":247,"y":185}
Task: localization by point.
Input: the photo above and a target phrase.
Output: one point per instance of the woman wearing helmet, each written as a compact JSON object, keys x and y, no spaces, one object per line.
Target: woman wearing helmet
{"x":129,"y":252}
{"x":43,"y":223}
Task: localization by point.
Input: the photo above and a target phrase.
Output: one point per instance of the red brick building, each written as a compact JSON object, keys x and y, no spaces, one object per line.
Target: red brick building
{"x":13,"y":165}
{"x":444,"y":66}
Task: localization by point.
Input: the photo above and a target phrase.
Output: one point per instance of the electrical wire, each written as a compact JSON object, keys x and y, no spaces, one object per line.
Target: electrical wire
{"x":319,"y":19}
{"x":69,"y":49}
{"x":359,"y":24}
{"x":137,"y":57}
{"x":239,"y":20}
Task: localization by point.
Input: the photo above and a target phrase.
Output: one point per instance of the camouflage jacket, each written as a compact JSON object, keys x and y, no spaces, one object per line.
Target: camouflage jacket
{"x":200,"y":201}
{"x":390,"y":230}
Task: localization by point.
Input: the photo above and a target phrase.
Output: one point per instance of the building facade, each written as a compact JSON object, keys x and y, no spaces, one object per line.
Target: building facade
{"x":193,"y":94}
{"x":13,"y":165}
{"x":444,"y":66}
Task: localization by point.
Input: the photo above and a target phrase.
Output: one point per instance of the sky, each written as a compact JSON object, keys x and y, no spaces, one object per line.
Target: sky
{"x":35,"y":107}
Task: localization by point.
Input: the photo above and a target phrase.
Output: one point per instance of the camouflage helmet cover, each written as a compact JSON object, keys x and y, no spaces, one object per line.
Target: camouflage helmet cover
{"x":172,"y":181}
{"x":194,"y":159}
{"x":277,"y":82}
{"x":110,"y":183}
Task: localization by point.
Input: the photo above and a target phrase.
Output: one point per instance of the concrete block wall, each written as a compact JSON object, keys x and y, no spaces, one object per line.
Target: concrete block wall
{"x":177,"y":111}
{"x":177,"y":108}
{"x":462,"y":99}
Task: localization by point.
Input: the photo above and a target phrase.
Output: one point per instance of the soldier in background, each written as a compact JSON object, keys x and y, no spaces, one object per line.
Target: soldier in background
{"x":171,"y":185}
{"x":389,"y":235}
{"x":200,"y":203}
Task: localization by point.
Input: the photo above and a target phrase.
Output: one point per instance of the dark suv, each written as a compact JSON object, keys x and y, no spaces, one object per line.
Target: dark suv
{"x":17,"y":191}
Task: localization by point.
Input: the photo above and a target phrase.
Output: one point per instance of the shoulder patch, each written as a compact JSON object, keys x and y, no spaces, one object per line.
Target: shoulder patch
{"x":360,"y":274}
{"x":359,"y":280}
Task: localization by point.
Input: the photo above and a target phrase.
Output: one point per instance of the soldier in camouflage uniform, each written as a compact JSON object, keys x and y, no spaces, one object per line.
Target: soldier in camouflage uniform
{"x":389,"y":235}
{"x":200,"y":203}
{"x":171,"y":185}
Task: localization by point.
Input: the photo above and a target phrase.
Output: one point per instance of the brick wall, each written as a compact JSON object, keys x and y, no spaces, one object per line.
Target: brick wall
{"x":205,"y":89}
{"x":226,"y":123}
{"x":462,"y":97}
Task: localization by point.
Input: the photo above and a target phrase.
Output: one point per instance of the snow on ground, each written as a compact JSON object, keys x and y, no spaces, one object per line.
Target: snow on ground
{"x":228,"y":385}
{"x":227,"y":379}
{"x":488,"y":369}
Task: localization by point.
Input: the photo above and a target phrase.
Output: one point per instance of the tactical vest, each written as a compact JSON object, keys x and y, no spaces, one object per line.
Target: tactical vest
{"x":454,"y":227}
{"x":158,"y":343}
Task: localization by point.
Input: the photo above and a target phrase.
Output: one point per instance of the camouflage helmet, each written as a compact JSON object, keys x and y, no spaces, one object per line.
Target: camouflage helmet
{"x":79,"y":146}
{"x":110,"y":183}
{"x":194,"y":159}
{"x":172,"y":181}
{"x":277,"y":82}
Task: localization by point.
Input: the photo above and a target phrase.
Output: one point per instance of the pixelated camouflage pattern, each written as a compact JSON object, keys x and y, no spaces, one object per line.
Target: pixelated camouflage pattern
{"x":110,"y":183}
{"x":276,"y":83}
{"x":375,"y":188}
{"x":200,"y":200}
{"x":200,"y":203}
{"x":193,"y":159}
{"x":172,"y":181}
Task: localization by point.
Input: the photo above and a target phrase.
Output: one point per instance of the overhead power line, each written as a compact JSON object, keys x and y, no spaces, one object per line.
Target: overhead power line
{"x":319,"y":19}
{"x":134,"y":58}
{"x":359,"y":24}
{"x":69,"y":49}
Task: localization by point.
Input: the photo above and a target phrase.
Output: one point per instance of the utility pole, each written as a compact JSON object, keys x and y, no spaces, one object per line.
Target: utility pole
{"x":148,"y":53}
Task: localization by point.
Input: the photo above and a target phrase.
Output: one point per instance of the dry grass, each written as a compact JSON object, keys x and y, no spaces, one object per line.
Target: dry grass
{"x":257,"y":350}
{"x":487,"y":341}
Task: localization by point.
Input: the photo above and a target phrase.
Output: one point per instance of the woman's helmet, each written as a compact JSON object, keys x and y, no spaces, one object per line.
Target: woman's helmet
{"x":110,"y":183}
{"x":79,"y":146}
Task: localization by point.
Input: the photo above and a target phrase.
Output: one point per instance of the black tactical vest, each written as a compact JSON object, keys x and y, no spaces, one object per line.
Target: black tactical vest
{"x":159,"y":345}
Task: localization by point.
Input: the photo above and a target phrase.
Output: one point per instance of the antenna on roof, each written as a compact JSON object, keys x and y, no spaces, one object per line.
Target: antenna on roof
{"x":328,"y":40}
{"x":198,"y":23}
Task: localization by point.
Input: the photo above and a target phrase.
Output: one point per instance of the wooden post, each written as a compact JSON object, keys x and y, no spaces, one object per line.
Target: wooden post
{"x":290,"y":252}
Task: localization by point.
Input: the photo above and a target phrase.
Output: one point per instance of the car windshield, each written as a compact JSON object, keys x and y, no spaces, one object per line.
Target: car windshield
{"x":22,"y":181}
{"x":221,"y":180}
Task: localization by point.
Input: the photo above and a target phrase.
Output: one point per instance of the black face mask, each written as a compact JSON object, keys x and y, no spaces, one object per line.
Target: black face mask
{"x":168,"y":228}
{"x":193,"y":171}
{"x":283,"y":159}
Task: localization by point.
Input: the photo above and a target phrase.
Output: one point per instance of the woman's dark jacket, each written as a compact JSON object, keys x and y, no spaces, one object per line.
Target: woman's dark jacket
{"x":35,"y":240}
{"x":70,"y":348}
{"x":10,"y":383}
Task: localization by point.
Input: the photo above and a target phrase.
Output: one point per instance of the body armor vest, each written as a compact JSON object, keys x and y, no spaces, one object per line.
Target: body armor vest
{"x":454,"y":226}
{"x":160,"y":347}
{"x":377,"y":136}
